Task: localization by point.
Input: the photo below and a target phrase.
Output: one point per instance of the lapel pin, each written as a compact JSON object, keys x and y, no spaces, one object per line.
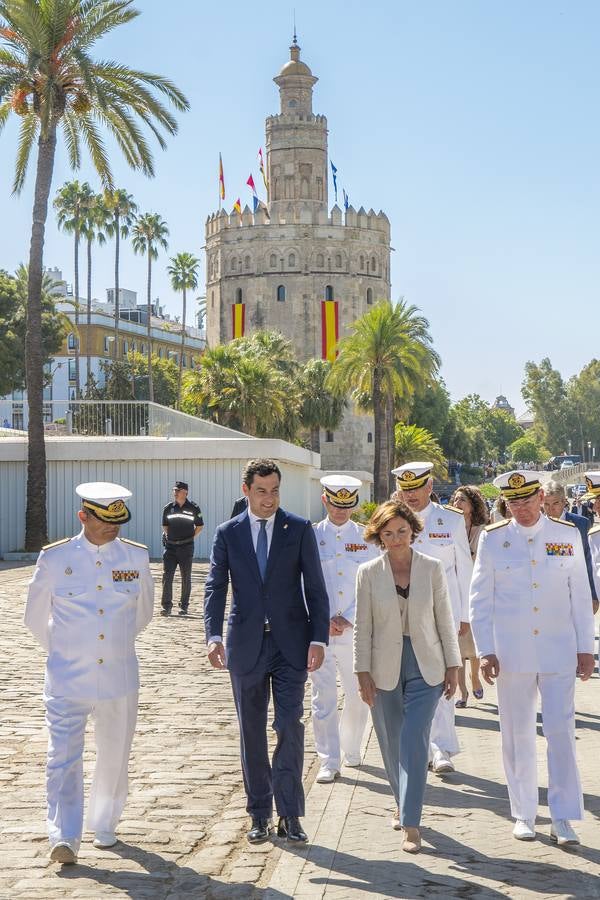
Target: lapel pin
{"x":68,"y":570}
{"x":440,"y":522}
{"x":285,"y":526}
{"x":506,"y":544}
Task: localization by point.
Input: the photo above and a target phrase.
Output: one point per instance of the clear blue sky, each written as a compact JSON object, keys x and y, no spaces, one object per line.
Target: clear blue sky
{"x":474,"y":125}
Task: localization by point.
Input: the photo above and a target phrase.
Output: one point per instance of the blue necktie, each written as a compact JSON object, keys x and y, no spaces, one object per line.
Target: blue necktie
{"x":262,"y":549}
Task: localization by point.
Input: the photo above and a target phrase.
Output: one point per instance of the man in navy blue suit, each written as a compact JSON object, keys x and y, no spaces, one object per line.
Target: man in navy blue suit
{"x":276,"y":633}
{"x":555,"y":506}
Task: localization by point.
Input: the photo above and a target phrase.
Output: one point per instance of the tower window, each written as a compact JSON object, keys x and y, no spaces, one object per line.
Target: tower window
{"x":247,"y":262}
{"x":328,"y":292}
{"x":361,"y":262}
{"x":369,"y":437}
{"x":238,"y":295}
{"x":338,"y":260}
{"x":373,"y":264}
{"x":273,"y":261}
{"x":369,"y":296}
{"x":212,"y":299}
{"x":329,"y":437}
{"x":292,"y":259}
{"x":281,"y":293}
{"x":292,"y":104}
{"x":320,"y":260}
{"x":233,"y":264}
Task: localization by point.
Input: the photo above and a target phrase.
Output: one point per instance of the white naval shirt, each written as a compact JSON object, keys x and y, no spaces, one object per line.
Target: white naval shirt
{"x":530,"y":597}
{"x":85,"y":606}
{"x":594,"y":539}
{"x":342,"y":549}
{"x":444,"y":537}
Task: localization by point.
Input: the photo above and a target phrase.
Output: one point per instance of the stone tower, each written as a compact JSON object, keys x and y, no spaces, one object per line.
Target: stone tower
{"x":278,"y":268}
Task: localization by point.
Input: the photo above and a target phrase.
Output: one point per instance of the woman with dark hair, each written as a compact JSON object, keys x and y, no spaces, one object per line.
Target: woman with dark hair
{"x":405,"y":654}
{"x":471,"y":501}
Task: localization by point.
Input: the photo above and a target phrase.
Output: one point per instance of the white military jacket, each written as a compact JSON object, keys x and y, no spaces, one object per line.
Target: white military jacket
{"x":342,"y":549}
{"x":594,"y":539}
{"x":85,"y":606}
{"x":444,"y":537}
{"x":530,"y":597}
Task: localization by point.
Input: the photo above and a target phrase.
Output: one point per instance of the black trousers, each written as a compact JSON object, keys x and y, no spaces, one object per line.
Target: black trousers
{"x":174,"y":556}
{"x":281,"y":778}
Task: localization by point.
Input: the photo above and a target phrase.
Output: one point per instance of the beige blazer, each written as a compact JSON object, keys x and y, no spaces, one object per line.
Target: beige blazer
{"x":378,"y":634}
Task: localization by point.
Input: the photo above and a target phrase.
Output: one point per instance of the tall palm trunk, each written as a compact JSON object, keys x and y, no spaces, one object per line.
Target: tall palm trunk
{"x":183,"y":315}
{"x":36,"y":527}
{"x":88,"y":335}
{"x":149,"y":303}
{"x":76,"y":290}
{"x":390,"y":422}
{"x":315,"y":439}
{"x":117,"y":298}
{"x":380,"y":467}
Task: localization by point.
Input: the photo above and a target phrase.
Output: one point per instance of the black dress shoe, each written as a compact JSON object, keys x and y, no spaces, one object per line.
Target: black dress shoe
{"x":165,"y":612}
{"x":289,"y":827}
{"x":260,"y":831}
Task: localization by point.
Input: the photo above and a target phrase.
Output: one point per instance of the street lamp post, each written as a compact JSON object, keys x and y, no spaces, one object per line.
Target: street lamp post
{"x":589,"y":446}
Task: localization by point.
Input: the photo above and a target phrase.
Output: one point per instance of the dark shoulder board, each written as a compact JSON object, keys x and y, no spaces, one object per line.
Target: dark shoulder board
{"x":56,"y":544}
{"x":563,"y":522}
{"x":132,"y":543}
{"x":594,"y":530}
{"x":453,"y":509}
{"x":495,"y":525}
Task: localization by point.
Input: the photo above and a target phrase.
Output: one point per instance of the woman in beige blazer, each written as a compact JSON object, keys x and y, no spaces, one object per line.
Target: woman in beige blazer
{"x":406,"y":654}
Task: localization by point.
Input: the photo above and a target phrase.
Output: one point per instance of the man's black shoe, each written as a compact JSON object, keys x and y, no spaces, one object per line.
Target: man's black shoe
{"x":289,"y":827}
{"x":182,"y":611}
{"x":165,"y":612}
{"x":260,"y":831}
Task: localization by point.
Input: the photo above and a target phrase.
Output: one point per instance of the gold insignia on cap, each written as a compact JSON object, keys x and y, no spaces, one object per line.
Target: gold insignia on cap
{"x":116,"y":508}
{"x":516,"y":480}
{"x":589,"y":483}
{"x":408,"y":476}
{"x":343,"y":494}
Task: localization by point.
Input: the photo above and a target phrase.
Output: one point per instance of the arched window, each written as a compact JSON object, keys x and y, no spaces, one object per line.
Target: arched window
{"x":292,"y":260}
{"x":369,"y":437}
{"x":338,"y":260}
{"x":273,"y":261}
{"x":361,"y":262}
{"x":281,"y":293}
{"x":238,"y":295}
{"x":72,"y":341}
{"x":328,"y":292}
{"x":369,"y":296}
{"x":233,"y":264}
{"x":329,"y":437}
{"x":246,"y":262}
{"x":160,"y":352}
{"x":320,"y":260}
{"x":212,"y":299}
{"x":292,"y":104}
{"x":373,"y":264}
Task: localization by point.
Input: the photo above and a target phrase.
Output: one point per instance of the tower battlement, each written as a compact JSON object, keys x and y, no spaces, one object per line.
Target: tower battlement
{"x":302,"y":215}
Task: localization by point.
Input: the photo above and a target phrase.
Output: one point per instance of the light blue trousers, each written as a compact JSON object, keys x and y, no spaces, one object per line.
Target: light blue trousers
{"x":402,"y":720}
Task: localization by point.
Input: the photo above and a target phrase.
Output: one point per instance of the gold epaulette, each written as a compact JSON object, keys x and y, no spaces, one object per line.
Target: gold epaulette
{"x":56,"y":543}
{"x":594,"y":530}
{"x":495,"y":525}
{"x":453,"y":509}
{"x":562,"y":522}
{"x":133,"y":543}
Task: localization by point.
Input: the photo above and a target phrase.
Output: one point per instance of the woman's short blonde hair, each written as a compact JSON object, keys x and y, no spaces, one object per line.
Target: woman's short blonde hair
{"x":384,"y":513}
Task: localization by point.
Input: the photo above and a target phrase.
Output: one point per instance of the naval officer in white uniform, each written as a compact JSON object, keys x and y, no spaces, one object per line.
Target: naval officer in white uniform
{"x":444,"y":537}
{"x":89,"y":597}
{"x":342,"y":548}
{"x":533,"y":627}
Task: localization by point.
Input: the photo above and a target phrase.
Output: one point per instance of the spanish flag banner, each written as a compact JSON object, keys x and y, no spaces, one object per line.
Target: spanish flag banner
{"x":221,"y":179}
{"x":329,"y":329}
{"x":238,"y":207}
{"x":238,"y":315}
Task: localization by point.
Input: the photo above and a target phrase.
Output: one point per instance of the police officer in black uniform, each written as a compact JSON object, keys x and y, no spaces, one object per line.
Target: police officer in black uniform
{"x":181,"y":521}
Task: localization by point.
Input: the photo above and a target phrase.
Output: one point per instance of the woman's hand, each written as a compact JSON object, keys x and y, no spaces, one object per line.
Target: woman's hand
{"x":366,"y":688}
{"x":450,"y":682}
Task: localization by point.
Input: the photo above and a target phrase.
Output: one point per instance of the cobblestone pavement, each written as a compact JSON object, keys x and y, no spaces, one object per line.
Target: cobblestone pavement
{"x":182,"y":835}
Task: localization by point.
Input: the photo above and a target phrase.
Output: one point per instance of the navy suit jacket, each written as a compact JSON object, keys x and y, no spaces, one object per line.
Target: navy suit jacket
{"x":293,"y":561}
{"x":583,"y":523}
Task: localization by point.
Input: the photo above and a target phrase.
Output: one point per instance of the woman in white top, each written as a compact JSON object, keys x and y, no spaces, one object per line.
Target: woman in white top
{"x":406,"y":654}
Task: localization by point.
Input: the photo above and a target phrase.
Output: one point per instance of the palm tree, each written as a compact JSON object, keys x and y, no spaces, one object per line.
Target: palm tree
{"x":149,"y":233}
{"x":71,"y":205}
{"x":387,"y":357}
{"x":123,"y":209}
{"x":184,"y":275}
{"x":201,"y":314}
{"x":50,"y":81}
{"x":94,"y":227}
{"x":320,"y":407}
{"x":413,"y":442}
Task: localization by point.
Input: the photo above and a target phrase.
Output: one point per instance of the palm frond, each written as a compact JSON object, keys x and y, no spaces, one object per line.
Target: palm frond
{"x":72,"y":142}
{"x":29,"y":130}
{"x":95,"y":145}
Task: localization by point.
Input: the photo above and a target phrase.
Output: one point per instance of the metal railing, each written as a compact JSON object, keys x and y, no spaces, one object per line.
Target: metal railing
{"x":96,"y":418}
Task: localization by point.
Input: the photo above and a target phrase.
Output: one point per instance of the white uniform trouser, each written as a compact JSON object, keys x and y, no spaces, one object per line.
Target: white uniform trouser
{"x":333,"y":739}
{"x":443,"y":730}
{"x":114,"y":726}
{"x":517,"y":707}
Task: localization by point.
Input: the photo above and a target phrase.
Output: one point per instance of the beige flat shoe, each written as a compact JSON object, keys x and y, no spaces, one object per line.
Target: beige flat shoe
{"x":412,"y":840}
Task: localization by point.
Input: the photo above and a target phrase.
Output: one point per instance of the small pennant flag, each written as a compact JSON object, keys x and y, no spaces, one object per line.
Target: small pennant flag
{"x":346,"y":200}
{"x":238,"y":207}
{"x":256,"y":202}
{"x":262,"y":169}
{"x":251,"y":184}
{"x":221,"y":179}
{"x":334,"y":173}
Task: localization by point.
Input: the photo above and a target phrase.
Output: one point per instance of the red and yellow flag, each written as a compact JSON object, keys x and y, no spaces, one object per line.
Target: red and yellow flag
{"x":238,"y":315}
{"x":238,"y":207}
{"x":221,"y":179}
{"x":329,"y":329}
{"x":262,"y":170}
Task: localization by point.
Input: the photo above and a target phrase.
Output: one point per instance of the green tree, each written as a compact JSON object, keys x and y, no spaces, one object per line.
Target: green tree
{"x":430,"y":408}
{"x":525,"y":450}
{"x":13,"y":322}
{"x":150,"y":233}
{"x":501,"y":429}
{"x":184,"y":276}
{"x":583,"y":403}
{"x":545,"y":393}
{"x":50,"y":81}
{"x":94,"y":230}
{"x":460,"y":441}
{"x":120,"y":374}
{"x":320,"y":407}
{"x":413,"y":443}
{"x":71,"y":204}
{"x":387,"y":358}
{"x":122,"y":209}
